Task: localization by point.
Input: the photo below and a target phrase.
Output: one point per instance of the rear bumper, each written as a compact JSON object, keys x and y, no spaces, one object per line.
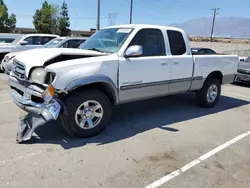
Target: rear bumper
{"x":243,"y":78}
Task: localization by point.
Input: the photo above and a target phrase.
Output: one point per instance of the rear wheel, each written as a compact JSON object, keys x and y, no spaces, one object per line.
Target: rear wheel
{"x":88,"y":113}
{"x":209,"y":94}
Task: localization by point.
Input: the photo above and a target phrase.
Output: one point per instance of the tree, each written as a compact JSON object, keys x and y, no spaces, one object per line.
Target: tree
{"x":45,"y":19}
{"x":64,"y":23}
{"x":7,"y":23}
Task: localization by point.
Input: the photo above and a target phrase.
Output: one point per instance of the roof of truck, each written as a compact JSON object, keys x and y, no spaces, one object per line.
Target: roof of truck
{"x":133,"y":26}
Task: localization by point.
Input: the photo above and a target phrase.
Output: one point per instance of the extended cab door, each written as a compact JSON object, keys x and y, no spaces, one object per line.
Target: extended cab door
{"x":181,"y":62}
{"x":148,"y":75}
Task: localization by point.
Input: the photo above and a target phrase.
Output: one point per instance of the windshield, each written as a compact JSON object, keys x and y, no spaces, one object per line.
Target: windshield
{"x":247,"y":60}
{"x":107,"y":40}
{"x":52,"y":43}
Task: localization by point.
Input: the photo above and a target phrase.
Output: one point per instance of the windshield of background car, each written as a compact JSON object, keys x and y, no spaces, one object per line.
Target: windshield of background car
{"x":52,"y":43}
{"x":247,"y":60}
{"x":107,"y":40}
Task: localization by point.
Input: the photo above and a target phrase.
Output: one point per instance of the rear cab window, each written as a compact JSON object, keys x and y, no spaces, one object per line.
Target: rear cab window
{"x":176,"y":42}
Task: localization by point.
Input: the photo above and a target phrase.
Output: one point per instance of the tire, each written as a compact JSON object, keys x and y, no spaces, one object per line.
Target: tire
{"x":74,"y":103}
{"x":202,"y":95}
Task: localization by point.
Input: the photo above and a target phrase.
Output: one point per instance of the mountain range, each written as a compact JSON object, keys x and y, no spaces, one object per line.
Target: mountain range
{"x":224,"y":27}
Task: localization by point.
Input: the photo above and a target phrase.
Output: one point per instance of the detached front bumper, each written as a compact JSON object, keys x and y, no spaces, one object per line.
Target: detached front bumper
{"x":29,"y":97}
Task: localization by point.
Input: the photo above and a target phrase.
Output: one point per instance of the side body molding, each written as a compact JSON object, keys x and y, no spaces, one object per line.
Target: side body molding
{"x":95,"y":79}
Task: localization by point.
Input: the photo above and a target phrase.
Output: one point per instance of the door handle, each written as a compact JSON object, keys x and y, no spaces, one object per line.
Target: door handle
{"x":176,"y":63}
{"x":164,"y":64}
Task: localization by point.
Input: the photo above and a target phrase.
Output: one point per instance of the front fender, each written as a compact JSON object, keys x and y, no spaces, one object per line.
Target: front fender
{"x":94,"y":79}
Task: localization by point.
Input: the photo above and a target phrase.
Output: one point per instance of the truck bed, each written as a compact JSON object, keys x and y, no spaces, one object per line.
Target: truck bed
{"x":227,"y":64}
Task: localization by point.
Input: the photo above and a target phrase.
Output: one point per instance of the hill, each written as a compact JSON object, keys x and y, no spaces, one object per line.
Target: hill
{"x":223,"y":27}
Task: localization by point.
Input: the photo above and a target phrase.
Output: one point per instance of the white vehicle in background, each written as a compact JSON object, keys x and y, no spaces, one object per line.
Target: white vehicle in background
{"x":8,"y":37}
{"x":65,"y":42}
{"x":60,"y":42}
{"x":116,"y":65}
{"x":25,"y":42}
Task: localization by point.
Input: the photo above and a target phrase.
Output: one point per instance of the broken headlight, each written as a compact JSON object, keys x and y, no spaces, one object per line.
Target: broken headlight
{"x":38,"y":75}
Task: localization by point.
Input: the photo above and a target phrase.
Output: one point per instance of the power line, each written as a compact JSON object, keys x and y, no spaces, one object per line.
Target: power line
{"x":212,"y":30}
{"x":112,"y":18}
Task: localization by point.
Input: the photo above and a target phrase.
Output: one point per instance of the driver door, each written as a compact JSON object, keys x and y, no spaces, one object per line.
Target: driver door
{"x":148,"y":75}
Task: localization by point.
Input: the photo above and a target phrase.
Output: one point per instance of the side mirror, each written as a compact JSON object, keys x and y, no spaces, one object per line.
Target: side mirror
{"x":23,"y":43}
{"x":134,"y":51}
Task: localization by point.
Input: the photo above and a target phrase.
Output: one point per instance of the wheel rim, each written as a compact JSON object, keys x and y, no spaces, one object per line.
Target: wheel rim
{"x":89,"y":114}
{"x":212,"y":93}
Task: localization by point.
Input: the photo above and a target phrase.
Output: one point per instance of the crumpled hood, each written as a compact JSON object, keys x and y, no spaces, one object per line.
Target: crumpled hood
{"x":244,"y":66}
{"x":37,"y":57}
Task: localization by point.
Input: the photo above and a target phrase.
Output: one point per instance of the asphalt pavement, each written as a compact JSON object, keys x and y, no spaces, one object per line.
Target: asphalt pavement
{"x":145,"y":143}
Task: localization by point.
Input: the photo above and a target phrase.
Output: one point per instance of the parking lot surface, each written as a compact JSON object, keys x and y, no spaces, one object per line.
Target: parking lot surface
{"x":146,"y":141}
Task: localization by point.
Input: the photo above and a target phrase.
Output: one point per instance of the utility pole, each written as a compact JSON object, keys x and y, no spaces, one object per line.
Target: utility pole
{"x":212,"y":30}
{"x":131,"y":11}
{"x":98,"y":16}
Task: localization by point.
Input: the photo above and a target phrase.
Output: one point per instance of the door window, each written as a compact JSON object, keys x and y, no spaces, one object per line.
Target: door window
{"x":152,"y":42}
{"x":34,"y":40}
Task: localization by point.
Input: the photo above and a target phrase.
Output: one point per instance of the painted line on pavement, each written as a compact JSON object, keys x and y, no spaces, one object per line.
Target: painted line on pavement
{"x":22,"y":157}
{"x":5,"y":102}
{"x":235,"y":94}
{"x":178,"y":172}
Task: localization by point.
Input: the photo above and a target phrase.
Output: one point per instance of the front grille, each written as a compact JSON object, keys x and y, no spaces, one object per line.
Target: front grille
{"x":18,"y":69}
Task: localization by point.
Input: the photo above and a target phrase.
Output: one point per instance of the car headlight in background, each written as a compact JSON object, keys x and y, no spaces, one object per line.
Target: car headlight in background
{"x":5,"y":59}
{"x":38,"y":75}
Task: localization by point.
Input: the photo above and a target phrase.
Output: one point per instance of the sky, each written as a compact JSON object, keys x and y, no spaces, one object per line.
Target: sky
{"x":163,"y":12}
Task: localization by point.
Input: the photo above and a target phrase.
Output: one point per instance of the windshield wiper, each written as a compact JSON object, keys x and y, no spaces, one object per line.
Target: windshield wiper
{"x":95,"y":49}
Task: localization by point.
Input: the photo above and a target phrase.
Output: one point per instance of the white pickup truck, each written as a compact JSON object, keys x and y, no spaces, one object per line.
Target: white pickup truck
{"x":116,"y":65}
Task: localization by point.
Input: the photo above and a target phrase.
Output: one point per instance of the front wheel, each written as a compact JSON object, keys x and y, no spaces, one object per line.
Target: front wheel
{"x":209,"y":94}
{"x":88,"y":113}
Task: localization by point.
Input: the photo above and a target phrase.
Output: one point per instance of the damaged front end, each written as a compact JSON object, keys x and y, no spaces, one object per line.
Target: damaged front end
{"x":38,"y":100}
